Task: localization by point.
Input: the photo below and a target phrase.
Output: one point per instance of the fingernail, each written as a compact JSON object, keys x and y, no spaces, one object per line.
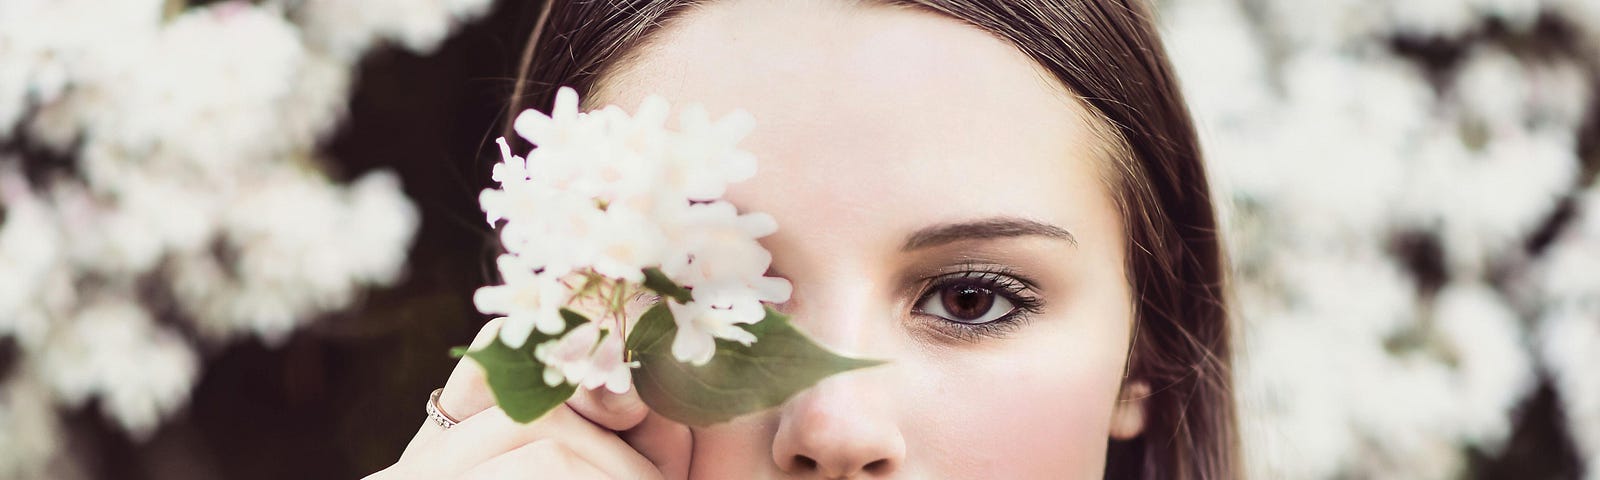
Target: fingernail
{"x":486,"y":335}
{"x":620,"y":403}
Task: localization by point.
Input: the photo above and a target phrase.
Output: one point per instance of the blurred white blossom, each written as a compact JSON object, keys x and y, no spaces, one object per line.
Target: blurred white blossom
{"x":1569,"y":327}
{"x":113,"y":350}
{"x":302,"y":246}
{"x":346,"y":28}
{"x":1378,"y":211}
{"x":33,"y":438}
{"x":192,"y":135}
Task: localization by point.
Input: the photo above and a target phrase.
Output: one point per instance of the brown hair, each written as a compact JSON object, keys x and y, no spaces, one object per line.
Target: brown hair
{"x":1106,"y":52}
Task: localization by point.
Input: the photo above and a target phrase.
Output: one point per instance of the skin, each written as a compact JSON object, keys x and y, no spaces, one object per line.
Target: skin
{"x":846,"y":98}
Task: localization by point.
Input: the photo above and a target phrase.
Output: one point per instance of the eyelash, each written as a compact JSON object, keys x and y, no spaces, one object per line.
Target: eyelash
{"x":1001,"y":281}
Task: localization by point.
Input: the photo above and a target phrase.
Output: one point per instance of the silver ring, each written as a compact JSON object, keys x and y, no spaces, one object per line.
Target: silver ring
{"x":437,"y":414}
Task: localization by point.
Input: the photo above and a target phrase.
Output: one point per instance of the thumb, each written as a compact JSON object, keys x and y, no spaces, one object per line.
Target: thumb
{"x":614,"y":411}
{"x":666,"y":443}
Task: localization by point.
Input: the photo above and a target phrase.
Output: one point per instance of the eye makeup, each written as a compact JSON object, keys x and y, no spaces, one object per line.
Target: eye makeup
{"x":972,"y":301}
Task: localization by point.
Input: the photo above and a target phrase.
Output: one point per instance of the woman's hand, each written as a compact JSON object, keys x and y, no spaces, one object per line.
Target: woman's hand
{"x":596,"y":434}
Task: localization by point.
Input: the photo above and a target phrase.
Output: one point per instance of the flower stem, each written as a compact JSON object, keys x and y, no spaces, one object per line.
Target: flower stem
{"x":622,"y":325}
{"x":620,"y":313}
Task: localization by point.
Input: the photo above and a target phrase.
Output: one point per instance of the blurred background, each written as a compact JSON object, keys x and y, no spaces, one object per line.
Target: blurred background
{"x":238,"y":238}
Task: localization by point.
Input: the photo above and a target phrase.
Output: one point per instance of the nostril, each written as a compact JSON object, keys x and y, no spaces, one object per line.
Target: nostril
{"x":879,"y":466}
{"x":804,"y":463}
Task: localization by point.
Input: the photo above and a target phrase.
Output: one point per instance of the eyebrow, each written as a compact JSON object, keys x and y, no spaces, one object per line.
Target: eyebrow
{"x":983,"y":229}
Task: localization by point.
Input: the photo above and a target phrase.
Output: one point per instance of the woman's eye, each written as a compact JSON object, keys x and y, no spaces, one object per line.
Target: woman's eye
{"x":966,"y":303}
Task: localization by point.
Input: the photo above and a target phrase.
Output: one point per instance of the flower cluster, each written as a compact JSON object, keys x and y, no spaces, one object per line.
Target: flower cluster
{"x":1385,"y":207}
{"x":603,"y":203}
{"x":162,"y":194}
{"x":1569,"y":328}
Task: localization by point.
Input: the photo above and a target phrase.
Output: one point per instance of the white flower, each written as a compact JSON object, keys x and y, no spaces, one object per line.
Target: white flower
{"x":302,"y":245}
{"x":29,"y":250}
{"x":1529,"y":173}
{"x":609,"y":194}
{"x":1497,"y":373}
{"x":190,"y":169}
{"x":607,"y":367}
{"x":1329,"y":151}
{"x":30,"y":434}
{"x":603,"y":155}
{"x":709,"y":160}
{"x":718,"y":256}
{"x":612,"y":156}
{"x":716,"y":245}
{"x":113,"y":350}
{"x":1443,"y":18}
{"x":47,"y":46}
{"x":625,"y":243}
{"x":1568,"y":332}
{"x":189,"y":98}
{"x":582,"y":357}
{"x":381,"y":222}
{"x":348,"y":28}
{"x":716,"y":312}
{"x":552,"y":231}
{"x":528,"y":301}
{"x":511,"y":168}
{"x":566,"y":359}
{"x":552,"y":129}
{"x":1570,"y":343}
{"x":1494,"y":87}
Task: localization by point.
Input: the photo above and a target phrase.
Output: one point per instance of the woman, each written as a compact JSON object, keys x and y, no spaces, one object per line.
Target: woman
{"x":1004,"y":198}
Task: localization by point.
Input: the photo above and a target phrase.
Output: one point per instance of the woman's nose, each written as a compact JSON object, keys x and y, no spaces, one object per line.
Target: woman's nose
{"x":841,"y":428}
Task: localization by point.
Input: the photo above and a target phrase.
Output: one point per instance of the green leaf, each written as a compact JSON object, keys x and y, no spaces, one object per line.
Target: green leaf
{"x":739,"y":379}
{"x":658,"y":282}
{"x":458,"y":351}
{"x":573,"y":320}
{"x":517,"y":379}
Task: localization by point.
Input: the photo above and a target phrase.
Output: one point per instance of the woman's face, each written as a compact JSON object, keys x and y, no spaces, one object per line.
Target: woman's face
{"x":940,"y":205}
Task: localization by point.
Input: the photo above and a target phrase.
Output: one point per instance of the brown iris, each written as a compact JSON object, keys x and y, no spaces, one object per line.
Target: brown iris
{"x":966,"y":303}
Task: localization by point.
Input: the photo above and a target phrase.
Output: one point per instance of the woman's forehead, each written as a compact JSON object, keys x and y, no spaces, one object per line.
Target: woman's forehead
{"x":851,"y":71}
{"x":875,"y":112}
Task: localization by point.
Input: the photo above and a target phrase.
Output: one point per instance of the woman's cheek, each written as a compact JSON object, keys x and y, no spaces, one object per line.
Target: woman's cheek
{"x":1036,"y":410}
{"x":741,"y":448}
{"x":1037,"y":405}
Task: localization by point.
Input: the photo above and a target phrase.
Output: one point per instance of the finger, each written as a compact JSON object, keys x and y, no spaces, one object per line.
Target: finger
{"x":491,"y":433}
{"x":467,"y":391}
{"x":550,"y":458}
{"x":667,"y":444}
{"x":614,"y":411}
{"x":424,"y":433}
